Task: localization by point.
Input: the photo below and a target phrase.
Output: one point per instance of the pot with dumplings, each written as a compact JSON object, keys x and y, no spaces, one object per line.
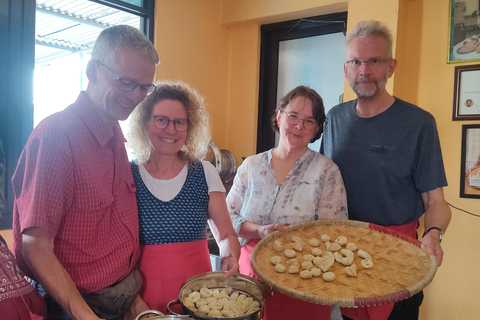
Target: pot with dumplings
{"x":210,"y":296}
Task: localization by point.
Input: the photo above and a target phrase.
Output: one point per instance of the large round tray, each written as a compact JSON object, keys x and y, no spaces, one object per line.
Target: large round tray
{"x":401,"y":267}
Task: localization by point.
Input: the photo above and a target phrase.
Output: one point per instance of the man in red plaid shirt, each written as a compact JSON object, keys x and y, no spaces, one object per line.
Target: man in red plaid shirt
{"x":75,"y":214}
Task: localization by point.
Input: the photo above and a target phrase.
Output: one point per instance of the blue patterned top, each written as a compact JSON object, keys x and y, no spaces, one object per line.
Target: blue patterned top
{"x":182,"y":219}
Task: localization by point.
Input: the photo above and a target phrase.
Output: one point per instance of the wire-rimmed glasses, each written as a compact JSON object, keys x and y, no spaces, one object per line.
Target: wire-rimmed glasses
{"x":127,"y":85}
{"x":293,"y":119}
{"x":373,"y":62}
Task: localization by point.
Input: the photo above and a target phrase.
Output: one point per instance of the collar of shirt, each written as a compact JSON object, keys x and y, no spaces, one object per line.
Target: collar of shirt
{"x":297,"y":163}
{"x":102,"y":132}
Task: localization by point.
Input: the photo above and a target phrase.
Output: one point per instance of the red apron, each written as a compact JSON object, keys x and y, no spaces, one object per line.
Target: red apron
{"x":381,"y":312}
{"x":164,"y":267}
{"x":280,"y":306}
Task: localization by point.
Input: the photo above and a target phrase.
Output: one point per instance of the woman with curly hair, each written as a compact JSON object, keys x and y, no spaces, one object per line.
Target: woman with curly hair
{"x":177,"y":193}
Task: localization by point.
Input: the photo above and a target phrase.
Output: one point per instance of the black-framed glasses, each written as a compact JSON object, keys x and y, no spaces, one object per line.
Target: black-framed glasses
{"x":129,"y":85}
{"x":161,"y":122}
{"x":293,"y":119}
{"x":373,"y":62}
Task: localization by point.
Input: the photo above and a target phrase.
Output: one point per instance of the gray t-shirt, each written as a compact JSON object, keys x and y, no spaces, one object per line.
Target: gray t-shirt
{"x":386,"y":161}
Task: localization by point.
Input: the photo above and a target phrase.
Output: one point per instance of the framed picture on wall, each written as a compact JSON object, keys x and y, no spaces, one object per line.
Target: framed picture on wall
{"x":466,"y":96}
{"x":464,"y":32}
{"x":470,"y":166}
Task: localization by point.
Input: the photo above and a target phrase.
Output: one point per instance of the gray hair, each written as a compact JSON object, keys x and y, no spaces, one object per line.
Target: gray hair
{"x":121,"y":36}
{"x":198,"y":132}
{"x":369,"y":29}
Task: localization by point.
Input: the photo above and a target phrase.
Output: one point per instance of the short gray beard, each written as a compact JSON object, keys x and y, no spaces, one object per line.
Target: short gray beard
{"x":365,"y":94}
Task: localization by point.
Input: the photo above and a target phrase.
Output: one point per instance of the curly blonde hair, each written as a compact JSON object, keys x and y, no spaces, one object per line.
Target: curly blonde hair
{"x":198,"y":132}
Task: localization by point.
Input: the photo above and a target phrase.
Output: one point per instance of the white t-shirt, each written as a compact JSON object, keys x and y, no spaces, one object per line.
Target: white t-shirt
{"x":166,"y":190}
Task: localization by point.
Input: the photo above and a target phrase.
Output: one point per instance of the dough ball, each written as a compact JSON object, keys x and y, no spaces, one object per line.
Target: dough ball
{"x":342,"y":240}
{"x":316,"y":252}
{"x":305,"y":274}
{"x":325,"y":238}
{"x":314,"y":242}
{"x":278,"y":246}
{"x":289,"y":253}
{"x":367,"y":263}
{"x":275,"y":260}
{"x":328,"y":276}
{"x":316,"y":272}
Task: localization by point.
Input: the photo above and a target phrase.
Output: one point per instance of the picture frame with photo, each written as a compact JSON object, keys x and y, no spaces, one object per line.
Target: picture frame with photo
{"x":470,"y":162}
{"x":464,"y":31}
{"x":466,"y":96}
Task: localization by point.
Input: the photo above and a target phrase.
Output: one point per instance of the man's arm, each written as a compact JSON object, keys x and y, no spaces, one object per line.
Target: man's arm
{"x":38,"y":254}
{"x":437,"y":214}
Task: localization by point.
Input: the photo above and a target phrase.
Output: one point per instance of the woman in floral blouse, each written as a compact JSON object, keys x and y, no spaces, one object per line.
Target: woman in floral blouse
{"x":287,"y":185}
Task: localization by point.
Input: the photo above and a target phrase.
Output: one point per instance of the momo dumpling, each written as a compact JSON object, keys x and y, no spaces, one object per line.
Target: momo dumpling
{"x":205,"y":292}
{"x":307,"y":265}
{"x":305,"y":274}
{"x":367,"y":263}
{"x":280,"y":268}
{"x":203,"y":309}
{"x":297,"y":246}
{"x":342,"y":240}
{"x":352,"y":270}
{"x":364,"y":255}
{"x":293,"y":269}
{"x":328,"y":276}
{"x":297,"y":239}
{"x":325,"y":238}
{"x":275,"y":259}
{"x":333,"y":246}
{"x":351,"y":246}
{"x":292,"y":262}
{"x":214,"y":313}
{"x":289,"y":253}
{"x":308,"y":257}
{"x":195,"y":295}
{"x":278,"y":246}
{"x":314,"y":242}
{"x":316,"y":252}
{"x":316,"y":272}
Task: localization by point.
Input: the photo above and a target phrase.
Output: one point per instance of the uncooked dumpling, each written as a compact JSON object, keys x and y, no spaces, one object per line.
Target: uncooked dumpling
{"x":325,"y":238}
{"x":305,"y":274}
{"x":289,"y":253}
{"x":316,"y":252}
{"x":278,"y":246}
{"x":280,"y":268}
{"x":275,"y":259}
{"x":314,"y":242}
{"x":342,"y":240}
{"x":328,"y":276}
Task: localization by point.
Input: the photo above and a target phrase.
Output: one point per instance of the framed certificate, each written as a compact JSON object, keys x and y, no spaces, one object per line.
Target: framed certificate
{"x":466,"y":97}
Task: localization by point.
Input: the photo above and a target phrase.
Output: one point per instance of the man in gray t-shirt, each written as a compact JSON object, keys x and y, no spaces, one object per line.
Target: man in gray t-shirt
{"x":388,"y":151}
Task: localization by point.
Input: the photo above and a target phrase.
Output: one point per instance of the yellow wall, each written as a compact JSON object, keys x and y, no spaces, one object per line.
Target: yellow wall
{"x":423,"y":77}
{"x":215,"y":46}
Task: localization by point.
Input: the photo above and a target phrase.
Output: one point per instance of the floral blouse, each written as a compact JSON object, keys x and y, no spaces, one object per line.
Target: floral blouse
{"x":312,"y":190}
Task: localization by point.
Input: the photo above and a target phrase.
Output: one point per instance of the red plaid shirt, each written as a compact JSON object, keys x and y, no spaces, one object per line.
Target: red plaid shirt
{"x":70,"y":181}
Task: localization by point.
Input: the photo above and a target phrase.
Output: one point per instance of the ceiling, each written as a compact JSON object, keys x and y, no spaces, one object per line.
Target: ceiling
{"x":64,"y":27}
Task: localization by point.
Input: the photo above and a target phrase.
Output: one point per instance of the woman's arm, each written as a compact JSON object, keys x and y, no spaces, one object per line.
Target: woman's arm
{"x":223,"y":232}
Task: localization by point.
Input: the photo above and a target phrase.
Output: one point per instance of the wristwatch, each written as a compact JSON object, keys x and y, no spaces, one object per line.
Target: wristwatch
{"x":440,"y":231}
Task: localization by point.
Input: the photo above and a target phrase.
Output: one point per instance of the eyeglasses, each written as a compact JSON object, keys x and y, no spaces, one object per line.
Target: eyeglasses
{"x":293,"y":119}
{"x":373,"y":62}
{"x":161,"y":122}
{"x":129,"y":85}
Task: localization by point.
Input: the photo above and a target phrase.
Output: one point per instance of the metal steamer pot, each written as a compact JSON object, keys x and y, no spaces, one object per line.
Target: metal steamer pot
{"x":238,"y":282}
{"x":161,"y":316}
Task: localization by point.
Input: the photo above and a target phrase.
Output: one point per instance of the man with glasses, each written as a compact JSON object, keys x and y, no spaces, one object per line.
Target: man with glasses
{"x":75,"y":214}
{"x":389,"y":154}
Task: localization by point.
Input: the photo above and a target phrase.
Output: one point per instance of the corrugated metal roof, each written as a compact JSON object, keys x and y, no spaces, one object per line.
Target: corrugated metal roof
{"x":69,"y":26}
